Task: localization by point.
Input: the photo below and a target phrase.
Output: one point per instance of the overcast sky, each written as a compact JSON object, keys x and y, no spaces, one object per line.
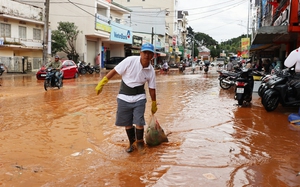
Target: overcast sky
{"x":220,"y":19}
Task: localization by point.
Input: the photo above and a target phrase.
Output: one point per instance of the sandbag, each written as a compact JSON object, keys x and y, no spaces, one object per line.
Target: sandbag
{"x":155,"y":135}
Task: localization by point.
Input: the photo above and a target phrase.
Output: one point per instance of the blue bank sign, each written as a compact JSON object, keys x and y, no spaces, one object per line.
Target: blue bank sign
{"x":121,"y":33}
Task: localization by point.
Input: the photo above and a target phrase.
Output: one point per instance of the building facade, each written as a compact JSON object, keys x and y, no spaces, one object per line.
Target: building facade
{"x":162,"y":16}
{"x":21,"y":36}
{"x":276,"y":28}
{"x":99,"y":22}
{"x":102,"y":31}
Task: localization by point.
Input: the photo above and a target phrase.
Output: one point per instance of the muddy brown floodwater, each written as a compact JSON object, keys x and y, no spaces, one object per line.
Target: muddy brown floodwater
{"x":67,"y":137}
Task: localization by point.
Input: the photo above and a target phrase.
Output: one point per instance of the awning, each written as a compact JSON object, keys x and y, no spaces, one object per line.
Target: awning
{"x":271,"y":34}
{"x":256,"y":47}
{"x":32,"y":44}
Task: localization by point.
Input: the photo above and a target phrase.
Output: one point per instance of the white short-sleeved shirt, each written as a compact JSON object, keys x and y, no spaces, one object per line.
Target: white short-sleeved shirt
{"x":292,"y":59}
{"x":133,"y":74}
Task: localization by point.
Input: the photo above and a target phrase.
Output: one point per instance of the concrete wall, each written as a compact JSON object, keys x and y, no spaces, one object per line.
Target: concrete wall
{"x":170,"y":6}
{"x":21,"y":10}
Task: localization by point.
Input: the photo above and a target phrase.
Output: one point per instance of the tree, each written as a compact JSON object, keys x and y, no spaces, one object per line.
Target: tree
{"x":64,"y":39}
{"x":214,"y":52}
{"x":205,"y":39}
{"x":193,"y":42}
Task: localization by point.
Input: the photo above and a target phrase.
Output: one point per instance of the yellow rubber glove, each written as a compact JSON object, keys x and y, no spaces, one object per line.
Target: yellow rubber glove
{"x":154,"y":107}
{"x":101,"y":84}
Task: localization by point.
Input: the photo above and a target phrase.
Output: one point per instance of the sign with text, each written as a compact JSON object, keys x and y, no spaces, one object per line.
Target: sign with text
{"x":121,"y":33}
{"x":102,"y":23}
{"x":245,"y":45}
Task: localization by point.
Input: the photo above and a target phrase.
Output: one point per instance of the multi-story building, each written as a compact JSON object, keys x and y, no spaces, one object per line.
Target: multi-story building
{"x":100,"y":25}
{"x":182,"y":33}
{"x":160,"y":13}
{"x":147,"y":24}
{"x":21,"y":36}
{"x":170,"y":6}
{"x":276,"y":31}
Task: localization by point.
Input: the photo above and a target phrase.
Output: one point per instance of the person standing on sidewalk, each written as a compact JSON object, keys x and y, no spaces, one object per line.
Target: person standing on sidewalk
{"x":135,"y":72}
{"x":97,"y":60}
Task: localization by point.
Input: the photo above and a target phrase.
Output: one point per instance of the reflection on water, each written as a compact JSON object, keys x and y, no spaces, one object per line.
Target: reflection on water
{"x":67,"y":136}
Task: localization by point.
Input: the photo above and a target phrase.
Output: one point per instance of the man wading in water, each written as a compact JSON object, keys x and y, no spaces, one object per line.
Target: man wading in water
{"x":135,"y":72}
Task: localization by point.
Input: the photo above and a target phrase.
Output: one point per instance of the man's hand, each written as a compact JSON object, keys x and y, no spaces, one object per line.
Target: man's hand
{"x":154,"y":107}
{"x":100,"y":85}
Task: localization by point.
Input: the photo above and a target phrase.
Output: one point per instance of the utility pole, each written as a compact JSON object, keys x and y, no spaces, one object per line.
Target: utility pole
{"x":193,"y":46}
{"x":248,"y":18}
{"x":152,"y":35}
{"x":46,"y":31}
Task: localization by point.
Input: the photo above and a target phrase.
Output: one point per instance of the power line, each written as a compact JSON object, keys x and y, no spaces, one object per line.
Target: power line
{"x":218,"y":9}
{"x":217,"y":12}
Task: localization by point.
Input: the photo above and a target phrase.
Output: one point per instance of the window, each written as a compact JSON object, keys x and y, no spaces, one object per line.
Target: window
{"x":37,"y":34}
{"x":128,"y":0}
{"x":5,"y":30}
{"x":118,"y":20}
{"x":22,"y":32}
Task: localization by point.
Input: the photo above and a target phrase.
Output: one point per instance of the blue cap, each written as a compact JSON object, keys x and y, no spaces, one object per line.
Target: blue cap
{"x":147,"y":47}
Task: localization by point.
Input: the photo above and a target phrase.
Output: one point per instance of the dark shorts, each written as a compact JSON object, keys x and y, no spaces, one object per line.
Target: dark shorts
{"x":130,"y":113}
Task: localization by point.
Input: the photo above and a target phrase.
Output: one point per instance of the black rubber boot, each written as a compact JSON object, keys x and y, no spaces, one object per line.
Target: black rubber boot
{"x":131,"y":138}
{"x":140,"y":139}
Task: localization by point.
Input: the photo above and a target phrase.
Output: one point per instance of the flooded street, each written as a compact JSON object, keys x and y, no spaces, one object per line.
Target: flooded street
{"x":67,"y":137}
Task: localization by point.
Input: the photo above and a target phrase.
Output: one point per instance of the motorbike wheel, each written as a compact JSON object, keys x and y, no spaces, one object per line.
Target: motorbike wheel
{"x":46,"y":84}
{"x":241,"y":101}
{"x":259,"y":91}
{"x":0,"y":73}
{"x":91,"y":71}
{"x":270,"y":100}
{"x":224,"y":85}
{"x":97,"y":70}
{"x":83,"y":71}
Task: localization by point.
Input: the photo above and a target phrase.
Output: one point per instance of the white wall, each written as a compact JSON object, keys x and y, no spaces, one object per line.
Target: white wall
{"x":21,"y":10}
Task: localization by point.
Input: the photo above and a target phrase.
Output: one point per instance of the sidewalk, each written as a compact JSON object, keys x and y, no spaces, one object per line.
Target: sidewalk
{"x":5,"y":74}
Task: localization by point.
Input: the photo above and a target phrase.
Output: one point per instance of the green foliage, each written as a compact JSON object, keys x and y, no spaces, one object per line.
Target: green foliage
{"x":233,"y":45}
{"x":214,"y":52}
{"x":201,"y":39}
{"x":64,"y":39}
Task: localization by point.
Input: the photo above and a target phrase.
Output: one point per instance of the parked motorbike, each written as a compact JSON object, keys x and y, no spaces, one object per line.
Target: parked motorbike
{"x":51,"y":80}
{"x":244,"y":87}
{"x":285,"y":90}
{"x":278,"y":77}
{"x":81,"y":67}
{"x":96,"y":68}
{"x":227,"y":79}
{"x":89,"y":68}
{"x":1,"y":69}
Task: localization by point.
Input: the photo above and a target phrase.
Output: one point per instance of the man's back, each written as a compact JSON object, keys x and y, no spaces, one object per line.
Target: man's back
{"x":229,"y":66}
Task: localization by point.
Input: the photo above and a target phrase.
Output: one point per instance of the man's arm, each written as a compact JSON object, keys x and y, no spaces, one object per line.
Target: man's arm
{"x":104,"y":81}
{"x":152,"y":93}
{"x":48,"y":65}
{"x":111,"y":74}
